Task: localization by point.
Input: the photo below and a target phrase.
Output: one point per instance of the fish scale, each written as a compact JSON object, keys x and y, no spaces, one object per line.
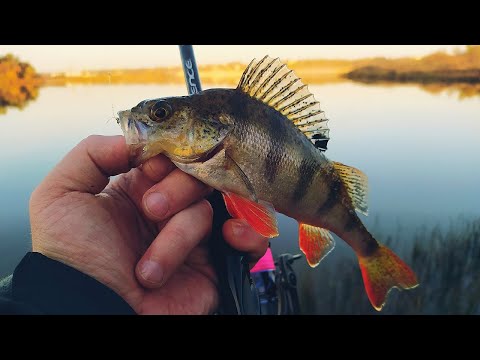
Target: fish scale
{"x":262,"y":142}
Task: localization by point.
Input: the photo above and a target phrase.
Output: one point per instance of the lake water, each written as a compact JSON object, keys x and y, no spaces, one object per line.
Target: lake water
{"x":420,"y":151}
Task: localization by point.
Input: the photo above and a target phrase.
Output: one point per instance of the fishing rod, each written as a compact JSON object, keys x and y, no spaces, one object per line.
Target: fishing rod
{"x":238,"y":294}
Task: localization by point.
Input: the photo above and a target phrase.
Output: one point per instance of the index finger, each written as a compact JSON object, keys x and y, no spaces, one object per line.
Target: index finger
{"x":157,"y":168}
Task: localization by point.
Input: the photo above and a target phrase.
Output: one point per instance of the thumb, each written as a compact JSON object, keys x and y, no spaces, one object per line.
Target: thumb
{"x":88,"y":166}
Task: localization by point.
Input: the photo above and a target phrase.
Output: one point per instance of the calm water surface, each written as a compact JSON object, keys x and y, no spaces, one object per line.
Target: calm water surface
{"x":419,"y":150}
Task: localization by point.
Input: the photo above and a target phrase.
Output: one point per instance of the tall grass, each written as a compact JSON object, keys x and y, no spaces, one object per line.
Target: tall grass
{"x":447,"y":264}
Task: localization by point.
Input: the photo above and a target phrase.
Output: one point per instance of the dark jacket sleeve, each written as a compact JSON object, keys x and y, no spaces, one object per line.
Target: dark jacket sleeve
{"x":40,"y":285}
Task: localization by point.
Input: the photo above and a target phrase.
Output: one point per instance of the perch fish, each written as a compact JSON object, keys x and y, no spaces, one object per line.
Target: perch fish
{"x":262,"y":145}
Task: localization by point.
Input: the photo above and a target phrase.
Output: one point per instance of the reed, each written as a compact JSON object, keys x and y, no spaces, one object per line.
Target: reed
{"x":447,"y":264}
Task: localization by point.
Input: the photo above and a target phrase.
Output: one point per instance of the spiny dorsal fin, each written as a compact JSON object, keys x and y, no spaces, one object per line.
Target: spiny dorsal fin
{"x":270,"y":81}
{"x":357,"y":185}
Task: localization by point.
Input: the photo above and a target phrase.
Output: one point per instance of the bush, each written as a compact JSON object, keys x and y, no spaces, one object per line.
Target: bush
{"x":18,"y":81}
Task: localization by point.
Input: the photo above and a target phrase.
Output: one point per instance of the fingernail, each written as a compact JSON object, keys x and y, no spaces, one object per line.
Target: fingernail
{"x":238,"y":229}
{"x":152,"y":272}
{"x":157,"y":204}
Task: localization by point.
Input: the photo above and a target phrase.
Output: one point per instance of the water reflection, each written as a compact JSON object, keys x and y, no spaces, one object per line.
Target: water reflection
{"x":463,"y":91}
{"x":28,"y":96}
{"x":419,"y":149}
{"x":459,"y":90}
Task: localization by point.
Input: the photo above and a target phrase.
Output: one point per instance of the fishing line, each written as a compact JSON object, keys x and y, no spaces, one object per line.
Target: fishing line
{"x":113,"y":109}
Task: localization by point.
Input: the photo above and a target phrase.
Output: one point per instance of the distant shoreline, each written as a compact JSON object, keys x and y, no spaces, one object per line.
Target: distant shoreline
{"x":439,"y":68}
{"x":312,"y":72}
{"x":19,"y":82}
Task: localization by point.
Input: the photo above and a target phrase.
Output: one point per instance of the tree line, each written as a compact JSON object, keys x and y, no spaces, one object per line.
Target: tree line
{"x":463,"y":66}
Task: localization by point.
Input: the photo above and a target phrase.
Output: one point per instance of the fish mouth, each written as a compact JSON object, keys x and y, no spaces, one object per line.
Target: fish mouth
{"x":135,"y":132}
{"x":136,"y":137}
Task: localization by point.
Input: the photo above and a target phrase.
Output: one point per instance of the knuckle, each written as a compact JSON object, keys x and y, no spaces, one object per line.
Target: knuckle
{"x":177,"y":237}
{"x":158,"y":167}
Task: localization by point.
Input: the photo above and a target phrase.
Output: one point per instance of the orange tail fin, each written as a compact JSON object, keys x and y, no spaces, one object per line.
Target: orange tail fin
{"x":382,"y":271}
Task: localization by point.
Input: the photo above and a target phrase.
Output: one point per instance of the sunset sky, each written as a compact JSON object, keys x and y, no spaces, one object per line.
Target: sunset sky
{"x":51,"y":58}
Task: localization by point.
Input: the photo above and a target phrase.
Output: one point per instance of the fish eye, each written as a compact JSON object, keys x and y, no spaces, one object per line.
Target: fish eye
{"x":160,"y":111}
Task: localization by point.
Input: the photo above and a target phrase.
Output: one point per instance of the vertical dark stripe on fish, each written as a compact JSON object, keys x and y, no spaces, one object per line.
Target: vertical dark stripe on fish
{"x":239,"y":105}
{"x":306,"y":173}
{"x":333,"y":195}
{"x":276,"y":148}
{"x":271,"y":166}
{"x":352,"y":222}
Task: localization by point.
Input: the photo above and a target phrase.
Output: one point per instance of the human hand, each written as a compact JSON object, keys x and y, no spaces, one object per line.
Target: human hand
{"x":143,"y":234}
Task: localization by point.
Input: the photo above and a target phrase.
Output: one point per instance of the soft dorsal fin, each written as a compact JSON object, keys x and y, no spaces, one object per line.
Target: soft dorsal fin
{"x":356,"y":183}
{"x":270,"y":81}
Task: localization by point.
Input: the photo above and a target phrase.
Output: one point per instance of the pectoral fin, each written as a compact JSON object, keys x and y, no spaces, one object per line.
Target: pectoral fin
{"x":233,"y":166}
{"x":220,"y":172}
{"x":259,"y":215}
{"x":315,"y":243}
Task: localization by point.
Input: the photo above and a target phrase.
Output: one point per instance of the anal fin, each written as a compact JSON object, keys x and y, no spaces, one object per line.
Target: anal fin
{"x":259,"y":215}
{"x":315,"y":243}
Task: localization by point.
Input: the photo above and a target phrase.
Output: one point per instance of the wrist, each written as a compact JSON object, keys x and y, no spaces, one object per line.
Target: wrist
{"x":51,"y":287}
{"x":83,"y":260}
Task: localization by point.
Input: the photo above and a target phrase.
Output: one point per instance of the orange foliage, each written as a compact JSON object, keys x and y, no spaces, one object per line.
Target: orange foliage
{"x":18,"y":81}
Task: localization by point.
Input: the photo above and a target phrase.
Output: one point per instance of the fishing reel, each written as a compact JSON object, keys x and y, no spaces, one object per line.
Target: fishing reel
{"x":286,"y":281}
